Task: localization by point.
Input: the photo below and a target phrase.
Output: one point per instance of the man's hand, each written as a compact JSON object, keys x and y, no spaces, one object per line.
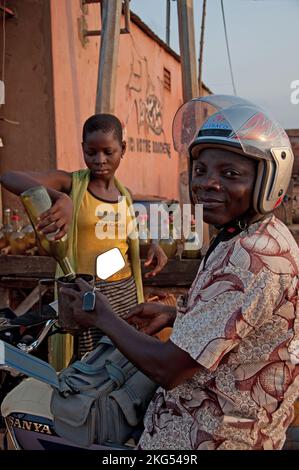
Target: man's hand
{"x":156,"y":258}
{"x":151,"y":317}
{"x":58,"y":217}
{"x":74,"y":298}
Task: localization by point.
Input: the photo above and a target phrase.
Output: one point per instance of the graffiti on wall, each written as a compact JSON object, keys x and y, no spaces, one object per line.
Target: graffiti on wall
{"x":145,"y":95}
{"x":150,"y":113}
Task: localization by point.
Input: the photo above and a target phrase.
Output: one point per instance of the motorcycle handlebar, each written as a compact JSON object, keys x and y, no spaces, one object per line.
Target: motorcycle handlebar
{"x":28,"y":348}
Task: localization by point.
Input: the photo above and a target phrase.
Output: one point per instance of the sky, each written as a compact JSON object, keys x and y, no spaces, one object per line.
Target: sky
{"x":263,"y":39}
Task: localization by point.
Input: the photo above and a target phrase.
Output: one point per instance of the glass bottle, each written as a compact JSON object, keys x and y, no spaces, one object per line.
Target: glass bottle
{"x":17,"y":238}
{"x":36,"y":201}
{"x":2,"y":239}
{"x":29,"y":233}
{"x":192,"y":244}
{"x":7,"y":226}
{"x":143,"y":235}
{"x":169,"y":244}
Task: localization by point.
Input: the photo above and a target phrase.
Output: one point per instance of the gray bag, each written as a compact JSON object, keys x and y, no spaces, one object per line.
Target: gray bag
{"x":101,"y":399}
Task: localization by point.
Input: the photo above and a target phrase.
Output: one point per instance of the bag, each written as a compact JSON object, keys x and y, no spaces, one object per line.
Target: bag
{"x":101,"y":399}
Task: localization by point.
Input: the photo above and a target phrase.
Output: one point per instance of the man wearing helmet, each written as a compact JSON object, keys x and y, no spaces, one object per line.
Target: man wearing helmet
{"x":229,"y":373}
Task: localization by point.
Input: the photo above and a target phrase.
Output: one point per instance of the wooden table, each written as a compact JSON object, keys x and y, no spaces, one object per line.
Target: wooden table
{"x":25,"y":272}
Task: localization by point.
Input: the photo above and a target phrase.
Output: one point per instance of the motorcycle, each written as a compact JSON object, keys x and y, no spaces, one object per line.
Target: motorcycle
{"x":26,"y":411}
{"x":29,"y":424}
{"x":27,"y":333}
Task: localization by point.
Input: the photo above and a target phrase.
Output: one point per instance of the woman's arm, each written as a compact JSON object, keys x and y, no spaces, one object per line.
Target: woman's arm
{"x":56,"y":181}
{"x":58,"y":184}
{"x":165,"y":363}
{"x":156,"y":258}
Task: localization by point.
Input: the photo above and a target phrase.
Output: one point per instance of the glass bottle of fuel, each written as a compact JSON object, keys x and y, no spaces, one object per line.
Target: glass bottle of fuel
{"x":7,"y":227}
{"x":36,"y":200}
{"x":169,"y":244}
{"x":29,"y":232}
{"x":192,"y":244}
{"x":143,"y":235}
{"x":17,"y":239}
{"x":2,"y":239}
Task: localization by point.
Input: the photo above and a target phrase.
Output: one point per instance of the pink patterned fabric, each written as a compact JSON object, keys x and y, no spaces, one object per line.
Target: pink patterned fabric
{"x":241,"y":325}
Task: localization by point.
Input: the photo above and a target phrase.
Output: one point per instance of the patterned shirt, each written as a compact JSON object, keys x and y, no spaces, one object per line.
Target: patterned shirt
{"x":241,"y":324}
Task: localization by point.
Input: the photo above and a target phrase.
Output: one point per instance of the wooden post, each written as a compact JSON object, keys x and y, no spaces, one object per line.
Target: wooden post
{"x":190,"y":86}
{"x":108,"y":61}
{"x":200,"y":59}
{"x":187,"y":49}
{"x":168,"y":22}
{"x":189,"y":76}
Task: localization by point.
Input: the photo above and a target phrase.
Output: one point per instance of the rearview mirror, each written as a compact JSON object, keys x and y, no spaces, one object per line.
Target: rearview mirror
{"x":109,"y":263}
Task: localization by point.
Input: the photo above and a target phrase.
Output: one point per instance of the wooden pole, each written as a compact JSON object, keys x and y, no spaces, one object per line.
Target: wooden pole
{"x":200,"y":59}
{"x":108,"y":61}
{"x":190,"y":87}
{"x":187,"y":49}
{"x":168,"y":22}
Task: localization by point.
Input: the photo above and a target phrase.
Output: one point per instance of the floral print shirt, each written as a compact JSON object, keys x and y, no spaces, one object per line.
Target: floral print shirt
{"x":241,"y":324}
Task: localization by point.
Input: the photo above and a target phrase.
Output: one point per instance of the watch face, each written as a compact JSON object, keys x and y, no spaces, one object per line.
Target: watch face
{"x":89,"y":300}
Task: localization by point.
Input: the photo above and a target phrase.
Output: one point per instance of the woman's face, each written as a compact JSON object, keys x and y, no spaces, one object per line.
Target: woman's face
{"x":223,"y":182}
{"x":102,"y":153}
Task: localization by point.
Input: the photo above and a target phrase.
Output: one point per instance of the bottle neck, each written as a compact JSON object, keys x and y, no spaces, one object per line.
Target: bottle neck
{"x":171,"y":228}
{"x":142,"y":228}
{"x":7,"y":217}
{"x":16,"y":223}
{"x":67,"y":268}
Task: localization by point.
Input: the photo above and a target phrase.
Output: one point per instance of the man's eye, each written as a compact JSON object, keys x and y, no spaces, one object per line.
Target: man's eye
{"x":198,"y":171}
{"x":231,"y":173}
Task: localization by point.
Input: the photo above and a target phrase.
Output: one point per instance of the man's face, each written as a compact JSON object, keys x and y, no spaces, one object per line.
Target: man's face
{"x":223,"y":182}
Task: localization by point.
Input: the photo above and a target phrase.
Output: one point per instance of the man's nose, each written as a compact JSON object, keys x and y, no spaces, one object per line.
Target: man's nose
{"x":207,"y":182}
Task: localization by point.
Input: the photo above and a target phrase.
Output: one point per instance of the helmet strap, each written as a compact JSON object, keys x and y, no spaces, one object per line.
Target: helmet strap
{"x":242,"y":224}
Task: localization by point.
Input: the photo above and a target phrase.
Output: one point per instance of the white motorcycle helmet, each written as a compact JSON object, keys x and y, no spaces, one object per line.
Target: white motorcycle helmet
{"x":237,"y":125}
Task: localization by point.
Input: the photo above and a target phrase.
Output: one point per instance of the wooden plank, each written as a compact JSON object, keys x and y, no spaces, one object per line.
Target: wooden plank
{"x":18,"y":282}
{"x":4,"y":297}
{"x":30,"y":300}
{"x":27,"y":266}
{"x":177,"y":272}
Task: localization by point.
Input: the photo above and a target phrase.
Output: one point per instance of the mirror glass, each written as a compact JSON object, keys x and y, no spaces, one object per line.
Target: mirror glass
{"x":109,"y":263}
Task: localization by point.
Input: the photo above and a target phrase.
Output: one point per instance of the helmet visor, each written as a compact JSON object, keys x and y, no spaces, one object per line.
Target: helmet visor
{"x":229,"y":120}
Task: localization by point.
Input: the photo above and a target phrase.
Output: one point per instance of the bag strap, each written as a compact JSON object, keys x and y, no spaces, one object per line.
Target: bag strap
{"x":88,"y":369}
{"x":115,"y":373}
{"x":120,"y":374}
{"x":103,"y":345}
{"x":106,"y":340}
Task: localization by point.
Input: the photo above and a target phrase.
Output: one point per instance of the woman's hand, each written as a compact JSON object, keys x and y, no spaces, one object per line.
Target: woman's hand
{"x":156,"y":258}
{"x":58,"y":217}
{"x":151,"y":317}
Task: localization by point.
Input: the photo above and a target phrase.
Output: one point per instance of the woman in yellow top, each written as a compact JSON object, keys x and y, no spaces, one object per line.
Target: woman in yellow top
{"x":86,"y":203}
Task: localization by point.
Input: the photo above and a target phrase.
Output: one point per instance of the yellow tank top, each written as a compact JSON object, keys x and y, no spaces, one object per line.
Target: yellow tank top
{"x":101,"y":226}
